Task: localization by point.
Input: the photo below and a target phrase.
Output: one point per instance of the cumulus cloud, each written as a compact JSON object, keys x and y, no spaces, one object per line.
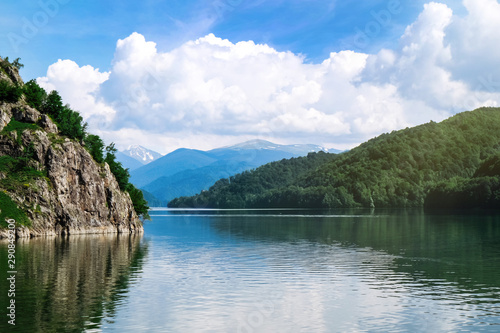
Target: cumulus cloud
{"x":211,"y":92}
{"x":79,"y":87}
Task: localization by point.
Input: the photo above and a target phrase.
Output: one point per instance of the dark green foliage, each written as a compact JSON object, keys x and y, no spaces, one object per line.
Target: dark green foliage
{"x":69,"y":122}
{"x":140,"y":204}
{"x":9,"y":93}
{"x":17,"y":63}
{"x":53,"y":105}
{"x":480,"y":191}
{"x":491,"y":167}
{"x":20,"y":177}
{"x":18,"y":126}
{"x":35,"y":95}
{"x":9,"y":210}
{"x":121,"y":174}
{"x":392,"y":170}
{"x":95,"y":146}
{"x":461,"y":193}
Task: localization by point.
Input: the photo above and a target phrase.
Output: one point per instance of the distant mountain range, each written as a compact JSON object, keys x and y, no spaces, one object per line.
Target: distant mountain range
{"x":186,"y":172}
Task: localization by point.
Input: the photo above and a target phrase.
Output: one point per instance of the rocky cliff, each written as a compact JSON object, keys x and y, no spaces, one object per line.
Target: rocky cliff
{"x":59,"y":187}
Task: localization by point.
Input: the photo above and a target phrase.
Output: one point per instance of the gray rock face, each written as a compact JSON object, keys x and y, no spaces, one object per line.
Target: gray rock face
{"x":5,"y":114}
{"x":25,"y":113}
{"x":47,"y":124}
{"x":78,"y":195}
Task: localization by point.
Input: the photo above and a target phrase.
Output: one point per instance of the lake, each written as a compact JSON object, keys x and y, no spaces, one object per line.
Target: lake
{"x":265,"y":271}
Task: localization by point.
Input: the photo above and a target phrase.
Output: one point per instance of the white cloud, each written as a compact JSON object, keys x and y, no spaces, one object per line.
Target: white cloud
{"x":211,"y":92}
{"x":79,"y":87}
{"x":474,"y":41}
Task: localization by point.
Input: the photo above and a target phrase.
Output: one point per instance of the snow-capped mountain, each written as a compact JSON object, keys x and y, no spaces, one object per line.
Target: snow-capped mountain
{"x":142,"y":154}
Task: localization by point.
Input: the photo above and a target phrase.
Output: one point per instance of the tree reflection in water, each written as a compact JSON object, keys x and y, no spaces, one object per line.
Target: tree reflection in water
{"x":71,"y":284}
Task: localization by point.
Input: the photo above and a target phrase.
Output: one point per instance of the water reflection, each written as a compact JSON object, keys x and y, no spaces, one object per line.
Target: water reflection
{"x":449,"y":246}
{"x":290,"y":271}
{"x":71,"y":284}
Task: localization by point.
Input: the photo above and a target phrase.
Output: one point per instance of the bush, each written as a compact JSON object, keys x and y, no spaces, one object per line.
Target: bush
{"x":69,"y":122}
{"x":35,"y":95}
{"x":122,"y":176}
{"x":140,"y":204}
{"x":53,"y":105}
{"x":95,"y":146}
{"x":9,"y":93}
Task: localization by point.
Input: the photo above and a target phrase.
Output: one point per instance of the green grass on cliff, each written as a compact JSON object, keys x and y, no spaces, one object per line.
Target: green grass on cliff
{"x":9,"y":210}
{"x":19,"y":128}
{"x":19,"y":175}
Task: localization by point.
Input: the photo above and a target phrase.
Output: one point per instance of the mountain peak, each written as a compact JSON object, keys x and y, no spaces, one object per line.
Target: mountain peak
{"x":141,"y":154}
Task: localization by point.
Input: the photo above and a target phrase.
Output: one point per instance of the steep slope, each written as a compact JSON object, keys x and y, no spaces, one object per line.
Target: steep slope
{"x":396,"y":169}
{"x":50,"y":184}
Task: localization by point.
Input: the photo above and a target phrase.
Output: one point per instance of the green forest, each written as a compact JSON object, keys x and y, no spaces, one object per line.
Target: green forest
{"x":70,"y":125}
{"x":451,"y":164}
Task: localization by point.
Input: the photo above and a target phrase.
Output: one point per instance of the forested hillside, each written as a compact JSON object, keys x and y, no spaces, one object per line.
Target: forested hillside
{"x":398,"y":169}
{"x":480,"y":191}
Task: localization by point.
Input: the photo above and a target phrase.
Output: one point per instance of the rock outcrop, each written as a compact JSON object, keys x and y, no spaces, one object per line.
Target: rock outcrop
{"x":75,"y":195}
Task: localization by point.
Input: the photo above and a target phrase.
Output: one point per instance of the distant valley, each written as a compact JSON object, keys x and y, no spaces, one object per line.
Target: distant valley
{"x":186,"y":172}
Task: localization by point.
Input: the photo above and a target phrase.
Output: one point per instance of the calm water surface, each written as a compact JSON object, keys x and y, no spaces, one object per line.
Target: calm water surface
{"x":266,"y":271}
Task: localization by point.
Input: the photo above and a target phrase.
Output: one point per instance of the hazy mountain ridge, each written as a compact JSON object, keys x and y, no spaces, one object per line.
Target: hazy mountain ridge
{"x":297,"y":149}
{"x":189,"y":171}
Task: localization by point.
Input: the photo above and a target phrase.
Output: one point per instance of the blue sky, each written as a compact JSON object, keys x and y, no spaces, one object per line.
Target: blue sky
{"x":87,"y":31}
{"x":220,"y":72}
